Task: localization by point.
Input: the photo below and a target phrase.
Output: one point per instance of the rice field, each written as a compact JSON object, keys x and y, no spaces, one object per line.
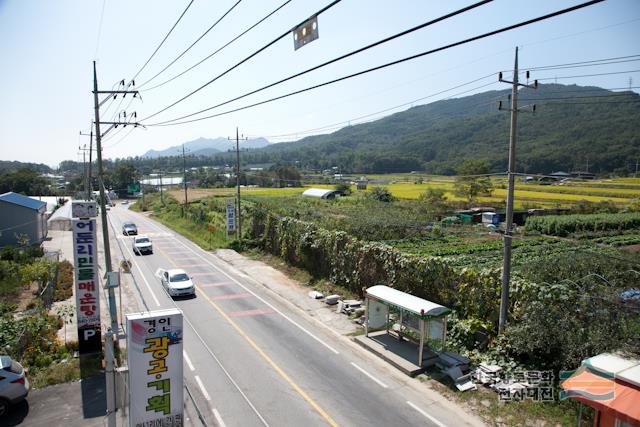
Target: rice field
{"x":621,"y":191}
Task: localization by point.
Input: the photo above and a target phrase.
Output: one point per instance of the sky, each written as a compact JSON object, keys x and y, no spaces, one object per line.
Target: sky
{"x":48,"y":48}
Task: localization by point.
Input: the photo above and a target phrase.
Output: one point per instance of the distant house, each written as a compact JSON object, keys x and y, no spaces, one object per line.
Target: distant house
{"x":322,"y":193}
{"x":583,"y":175}
{"x":559,"y":176}
{"x":22,"y":215}
{"x":361,"y":183}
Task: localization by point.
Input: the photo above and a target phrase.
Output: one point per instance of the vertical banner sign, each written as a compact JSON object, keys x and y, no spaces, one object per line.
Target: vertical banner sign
{"x":85,"y":254}
{"x":154,"y":355}
{"x":231,"y":215}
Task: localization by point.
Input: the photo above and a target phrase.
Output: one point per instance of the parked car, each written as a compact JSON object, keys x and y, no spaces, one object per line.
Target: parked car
{"x":129,"y":229}
{"x":142,"y":245}
{"x":125,"y":202}
{"x":14,"y":385}
{"x":177,"y":282}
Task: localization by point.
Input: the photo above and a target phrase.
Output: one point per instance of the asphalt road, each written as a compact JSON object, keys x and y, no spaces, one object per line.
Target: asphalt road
{"x":252,"y":359}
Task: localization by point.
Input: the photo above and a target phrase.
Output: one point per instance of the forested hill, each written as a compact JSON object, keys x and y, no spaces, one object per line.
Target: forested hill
{"x":572,"y":125}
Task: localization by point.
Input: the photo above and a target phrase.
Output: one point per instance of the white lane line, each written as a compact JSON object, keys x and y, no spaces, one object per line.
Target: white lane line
{"x":226,"y":373}
{"x":186,"y":359}
{"x":431,"y":418}
{"x":218,"y":418}
{"x":213,"y":355}
{"x":204,"y":390}
{"x":259,"y":297}
{"x":380,"y":383}
{"x":135,"y":263}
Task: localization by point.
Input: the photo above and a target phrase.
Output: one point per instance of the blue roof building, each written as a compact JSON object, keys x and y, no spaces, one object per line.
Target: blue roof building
{"x":22,"y":215}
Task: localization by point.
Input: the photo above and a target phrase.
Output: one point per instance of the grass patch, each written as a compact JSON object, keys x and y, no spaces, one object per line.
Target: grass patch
{"x":65,"y":371}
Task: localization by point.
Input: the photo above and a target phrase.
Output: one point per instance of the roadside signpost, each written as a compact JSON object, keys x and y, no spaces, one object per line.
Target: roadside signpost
{"x":154,"y":356}
{"x":87,"y":288}
{"x":231,"y":216}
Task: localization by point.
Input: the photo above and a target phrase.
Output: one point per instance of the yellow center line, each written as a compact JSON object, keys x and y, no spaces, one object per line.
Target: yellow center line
{"x":264,"y":355}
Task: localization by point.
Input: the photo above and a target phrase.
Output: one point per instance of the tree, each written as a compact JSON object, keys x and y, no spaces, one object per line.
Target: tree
{"x":434,"y":200}
{"x":343,"y":188}
{"x":26,"y":181}
{"x":381,"y":194}
{"x":469,"y":184}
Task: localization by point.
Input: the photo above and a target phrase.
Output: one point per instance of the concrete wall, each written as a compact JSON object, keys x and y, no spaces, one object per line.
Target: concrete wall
{"x":15,"y":219}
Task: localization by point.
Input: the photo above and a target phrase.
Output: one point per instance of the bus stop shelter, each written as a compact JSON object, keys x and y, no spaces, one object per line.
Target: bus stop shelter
{"x":406,"y":317}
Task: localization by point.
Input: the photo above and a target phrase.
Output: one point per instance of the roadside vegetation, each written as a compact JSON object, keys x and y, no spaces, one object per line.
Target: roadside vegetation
{"x":29,"y":284}
{"x":569,"y":277}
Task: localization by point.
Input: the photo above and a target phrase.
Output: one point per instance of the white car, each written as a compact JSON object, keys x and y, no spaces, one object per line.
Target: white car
{"x":142,"y":245}
{"x":177,"y":282}
{"x":14,"y":385}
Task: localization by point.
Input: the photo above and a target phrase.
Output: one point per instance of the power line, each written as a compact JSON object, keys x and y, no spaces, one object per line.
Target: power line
{"x":324,"y":64}
{"x":221,"y":48}
{"x":95,"y":55}
{"x":349,"y":122}
{"x":163,"y":40}
{"x":605,"y":61}
{"x":394,"y":107}
{"x":193,"y":44}
{"x":409,"y":58}
{"x":324,"y":9}
{"x":589,"y":75}
{"x":613,"y":95}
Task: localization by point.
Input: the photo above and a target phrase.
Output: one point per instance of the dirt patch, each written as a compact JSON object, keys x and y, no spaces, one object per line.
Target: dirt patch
{"x":632,"y":248}
{"x":26,"y":296}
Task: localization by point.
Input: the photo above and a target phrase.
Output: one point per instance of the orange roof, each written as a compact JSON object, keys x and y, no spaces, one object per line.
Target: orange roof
{"x":604,"y":394}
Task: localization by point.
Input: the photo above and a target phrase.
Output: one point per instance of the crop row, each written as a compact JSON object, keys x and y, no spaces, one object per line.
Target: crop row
{"x":563,"y":225}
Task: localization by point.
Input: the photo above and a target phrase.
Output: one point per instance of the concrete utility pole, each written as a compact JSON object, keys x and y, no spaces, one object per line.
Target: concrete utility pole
{"x":184,"y":181}
{"x":89,"y":185}
{"x":111,"y":416}
{"x":506,"y":266}
{"x":238,"y":182}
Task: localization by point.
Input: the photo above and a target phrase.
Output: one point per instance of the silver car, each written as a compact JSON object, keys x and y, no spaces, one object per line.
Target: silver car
{"x":14,"y":385}
{"x":142,"y":245}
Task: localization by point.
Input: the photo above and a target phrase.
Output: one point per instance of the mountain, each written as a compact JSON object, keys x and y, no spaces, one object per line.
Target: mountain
{"x":573,"y":126}
{"x":206,"y":147}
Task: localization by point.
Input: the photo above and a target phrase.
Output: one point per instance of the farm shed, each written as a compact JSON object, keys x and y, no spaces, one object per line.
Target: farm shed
{"x":22,"y":215}
{"x":322,"y":193}
{"x":61,"y":218}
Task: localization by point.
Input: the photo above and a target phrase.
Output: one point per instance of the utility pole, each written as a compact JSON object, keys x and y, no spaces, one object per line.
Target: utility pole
{"x":90,"y":185}
{"x":83,"y":148}
{"x":111,"y":416}
{"x":238,"y":182}
{"x":161,"y":195}
{"x":184,"y":181}
{"x":506,"y":266}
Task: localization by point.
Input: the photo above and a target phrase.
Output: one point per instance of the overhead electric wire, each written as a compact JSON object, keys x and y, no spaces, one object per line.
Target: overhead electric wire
{"x":349,"y":122}
{"x":95,"y":55}
{"x":192,"y":44}
{"x":324,"y":64}
{"x":221,"y":48}
{"x":163,"y":40}
{"x":604,"y":61}
{"x":120,"y":140}
{"x":409,"y":58}
{"x":324,"y":9}
{"x":339,"y":124}
{"x":555,"y":98}
{"x":588,"y":75}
